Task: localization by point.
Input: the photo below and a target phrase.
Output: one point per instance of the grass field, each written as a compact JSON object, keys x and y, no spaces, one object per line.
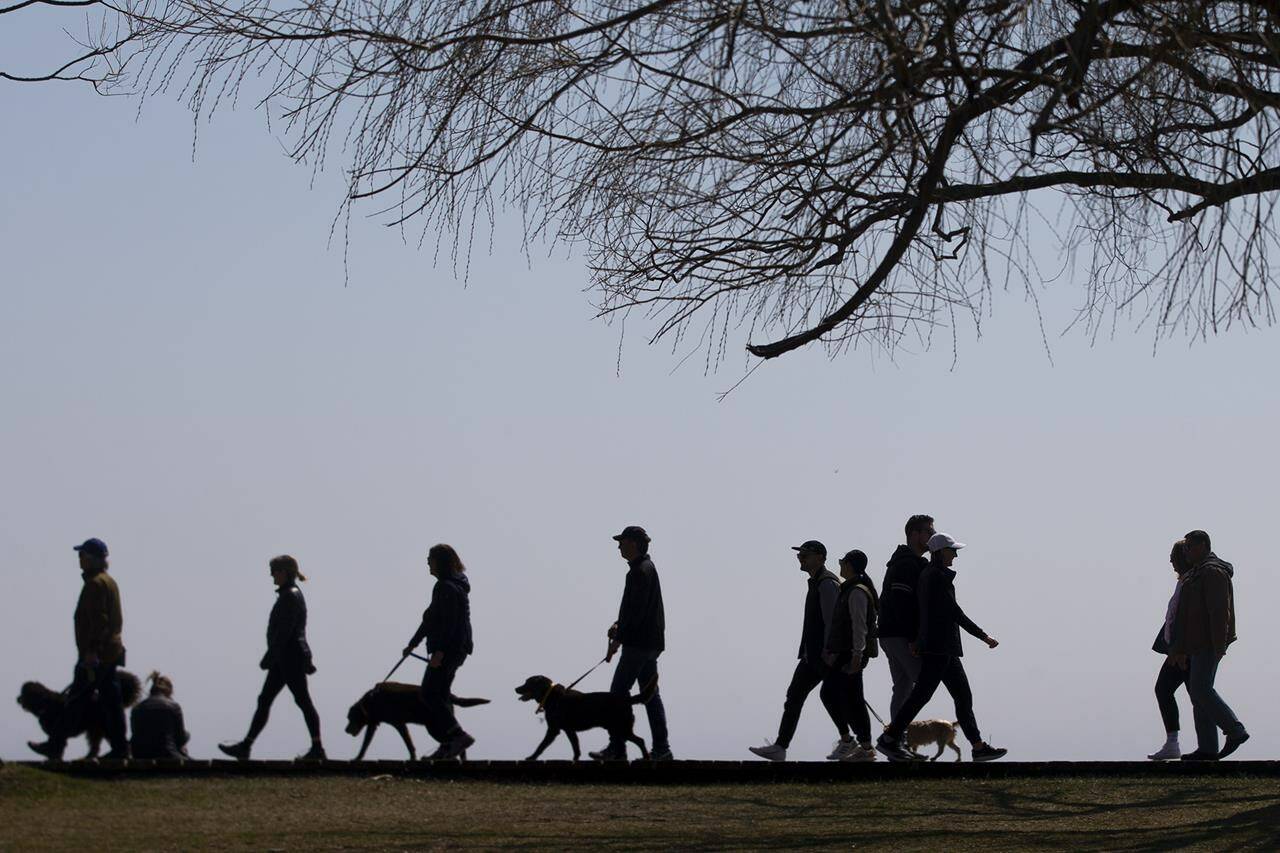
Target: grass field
{"x":46,"y":811}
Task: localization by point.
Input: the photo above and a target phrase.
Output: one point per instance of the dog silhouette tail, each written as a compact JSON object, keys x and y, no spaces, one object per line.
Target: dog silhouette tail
{"x":649,"y":691}
{"x":467,"y":703}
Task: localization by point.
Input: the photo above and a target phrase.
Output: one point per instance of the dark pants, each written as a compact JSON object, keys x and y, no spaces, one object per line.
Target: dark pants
{"x":806,"y":677}
{"x":849,"y":700}
{"x":87,"y":683}
{"x":437,"y":688}
{"x":1171,"y":677}
{"x":939,"y":669}
{"x":641,"y":665}
{"x":280,"y":676}
{"x":1210,"y":711}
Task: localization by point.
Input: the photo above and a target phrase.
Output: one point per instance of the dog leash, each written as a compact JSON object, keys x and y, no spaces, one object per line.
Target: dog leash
{"x":873,"y":712}
{"x":588,"y":672}
{"x":402,"y":660}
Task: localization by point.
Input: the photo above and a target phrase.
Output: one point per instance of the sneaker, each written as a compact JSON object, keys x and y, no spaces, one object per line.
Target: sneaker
{"x":859,"y":753}
{"x":609,"y":754}
{"x":1197,"y":755}
{"x":1171,"y":751}
{"x":1232,"y":744}
{"x":239,"y":751}
{"x":892,"y":748}
{"x":841,"y":749}
{"x":49,"y":749}
{"x":456,"y":746}
{"x":987,"y":752}
{"x":663,"y":754}
{"x":435,"y":756}
{"x":315,"y":753}
{"x":770,"y":751}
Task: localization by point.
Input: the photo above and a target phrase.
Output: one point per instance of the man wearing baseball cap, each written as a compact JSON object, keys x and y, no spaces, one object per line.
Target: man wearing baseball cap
{"x":98,"y":625}
{"x":640,"y":634}
{"x":938,"y":643}
{"x":811,"y":670}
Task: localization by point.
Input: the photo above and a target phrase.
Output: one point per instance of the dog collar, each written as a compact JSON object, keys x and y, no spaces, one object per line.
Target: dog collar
{"x":542,"y":703}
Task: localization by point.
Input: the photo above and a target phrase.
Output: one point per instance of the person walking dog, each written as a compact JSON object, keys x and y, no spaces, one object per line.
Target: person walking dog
{"x":1203,"y":627}
{"x":446,"y":626}
{"x":1171,"y":676}
{"x":851,"y":643}
{"x":938,"y":643}
{"x":900,"y":608}
{"x":640,"y":634}
{"x":810,"y":671}
{"x":99,"y":626}
{"x":159,"y":731}
{"x":287,"y":661}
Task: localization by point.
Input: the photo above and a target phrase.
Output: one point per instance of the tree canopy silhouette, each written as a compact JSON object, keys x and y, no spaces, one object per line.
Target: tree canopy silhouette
{"x":794,"y":171}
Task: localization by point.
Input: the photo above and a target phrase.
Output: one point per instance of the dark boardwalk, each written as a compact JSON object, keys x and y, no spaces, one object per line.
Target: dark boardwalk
{"x":671,"y":772}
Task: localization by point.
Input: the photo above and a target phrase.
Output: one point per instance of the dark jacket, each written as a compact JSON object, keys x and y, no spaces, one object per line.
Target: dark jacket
{"x":287,"y":631}
{"x":642,"y":623}
{"x":446,"y":623}
{"x":899,"y":604}
{"x":817,"y":616}
{"x":99,"y":620}
{"x":840,"y":634}
{"x":158,"y":729}
{"x":940,"y":616}
{"x":1206,"y":617}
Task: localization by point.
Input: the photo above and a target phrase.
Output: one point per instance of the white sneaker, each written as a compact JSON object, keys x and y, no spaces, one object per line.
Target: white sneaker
{"x":841,"y":749}
{"x":859,"y":753}
{"x":1169,"y":752}
{"x":770,"y":751}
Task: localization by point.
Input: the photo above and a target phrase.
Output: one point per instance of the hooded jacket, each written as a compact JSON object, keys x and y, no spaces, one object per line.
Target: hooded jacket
{"x":287,"y":630}
{"x":446,"y":623}
{"x":940,"y":616}
{"x":899,"y":606}
{"x":1206,"y":617}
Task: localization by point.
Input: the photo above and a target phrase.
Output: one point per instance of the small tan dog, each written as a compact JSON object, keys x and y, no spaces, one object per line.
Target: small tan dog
{"x":941,"y":732}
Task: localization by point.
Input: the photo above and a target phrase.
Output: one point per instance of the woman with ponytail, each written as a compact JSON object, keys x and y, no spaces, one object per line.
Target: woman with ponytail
{"x":158,"y":728}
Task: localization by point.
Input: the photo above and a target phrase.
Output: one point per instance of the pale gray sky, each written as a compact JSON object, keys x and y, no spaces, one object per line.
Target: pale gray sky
{"x":185,"y":375}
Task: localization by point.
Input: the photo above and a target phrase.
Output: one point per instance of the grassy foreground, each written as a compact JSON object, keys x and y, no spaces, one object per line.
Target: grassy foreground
{"x":44,"y":811}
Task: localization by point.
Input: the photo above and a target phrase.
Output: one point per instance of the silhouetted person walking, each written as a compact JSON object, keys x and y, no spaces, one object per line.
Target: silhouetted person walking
{"x":1171,"y":676}
{"x":1205,"y":624}
{"x":99,"y":623}
{"x":158,"y":728}
{"x":446,"y":626}
{"x":287,"y":661}
{"x":819,"y":605}
{"x":900,"y":608}
{"x":640,"y":633}
{"x":851,"y":643}
{"x":939,"y":644}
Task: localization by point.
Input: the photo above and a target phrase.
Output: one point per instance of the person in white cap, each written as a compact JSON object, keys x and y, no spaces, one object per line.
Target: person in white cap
{"x":938,"y":643}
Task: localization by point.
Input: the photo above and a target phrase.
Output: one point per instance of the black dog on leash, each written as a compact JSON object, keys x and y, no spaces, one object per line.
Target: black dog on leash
{"x":48,"y":705}
{"x":572,"y":712}
{"x":397,"y":705}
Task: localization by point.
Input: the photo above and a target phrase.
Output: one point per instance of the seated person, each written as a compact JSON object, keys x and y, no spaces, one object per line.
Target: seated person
{"x":158,"y":729}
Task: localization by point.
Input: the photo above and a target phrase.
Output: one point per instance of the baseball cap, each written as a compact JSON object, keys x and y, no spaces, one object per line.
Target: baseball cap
{"x":634,"y":532}
{"x":855,"y":558}
{"x":811,"y":545}
{"x":94,"y":546}
{"x":938,"y":541}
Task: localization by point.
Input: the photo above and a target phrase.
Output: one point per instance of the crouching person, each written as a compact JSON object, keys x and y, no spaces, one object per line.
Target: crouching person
{"x":446,"y":626}
{"x":158,"y":728}
{"x":851,"y":643}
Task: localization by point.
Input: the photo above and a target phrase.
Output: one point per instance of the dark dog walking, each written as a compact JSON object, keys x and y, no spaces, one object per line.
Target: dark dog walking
{"x":397,"y":705}
{"x":571,"y":712}
{"x":49,"y":708}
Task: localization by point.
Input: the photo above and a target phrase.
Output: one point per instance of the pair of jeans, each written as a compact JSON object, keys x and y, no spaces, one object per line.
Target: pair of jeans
{"x":935,"y":670}
{"x":806,"y":677}
{"x":437,"y":697}
{"x":641,"y":665}
{"x":279,"y":676}
{"x":94,"y":690}
{"x":904,"y":669}
{"x":1210,"y":711}
{"x":1171,"y":677}
{"x":851,"y":703}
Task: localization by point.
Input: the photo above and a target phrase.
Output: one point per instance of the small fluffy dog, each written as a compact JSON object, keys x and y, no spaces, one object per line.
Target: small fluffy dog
{"x":940,"y":732}
{"x":397,"y":705}
{"x":47,"y":707}
{"x":571,"y":712}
